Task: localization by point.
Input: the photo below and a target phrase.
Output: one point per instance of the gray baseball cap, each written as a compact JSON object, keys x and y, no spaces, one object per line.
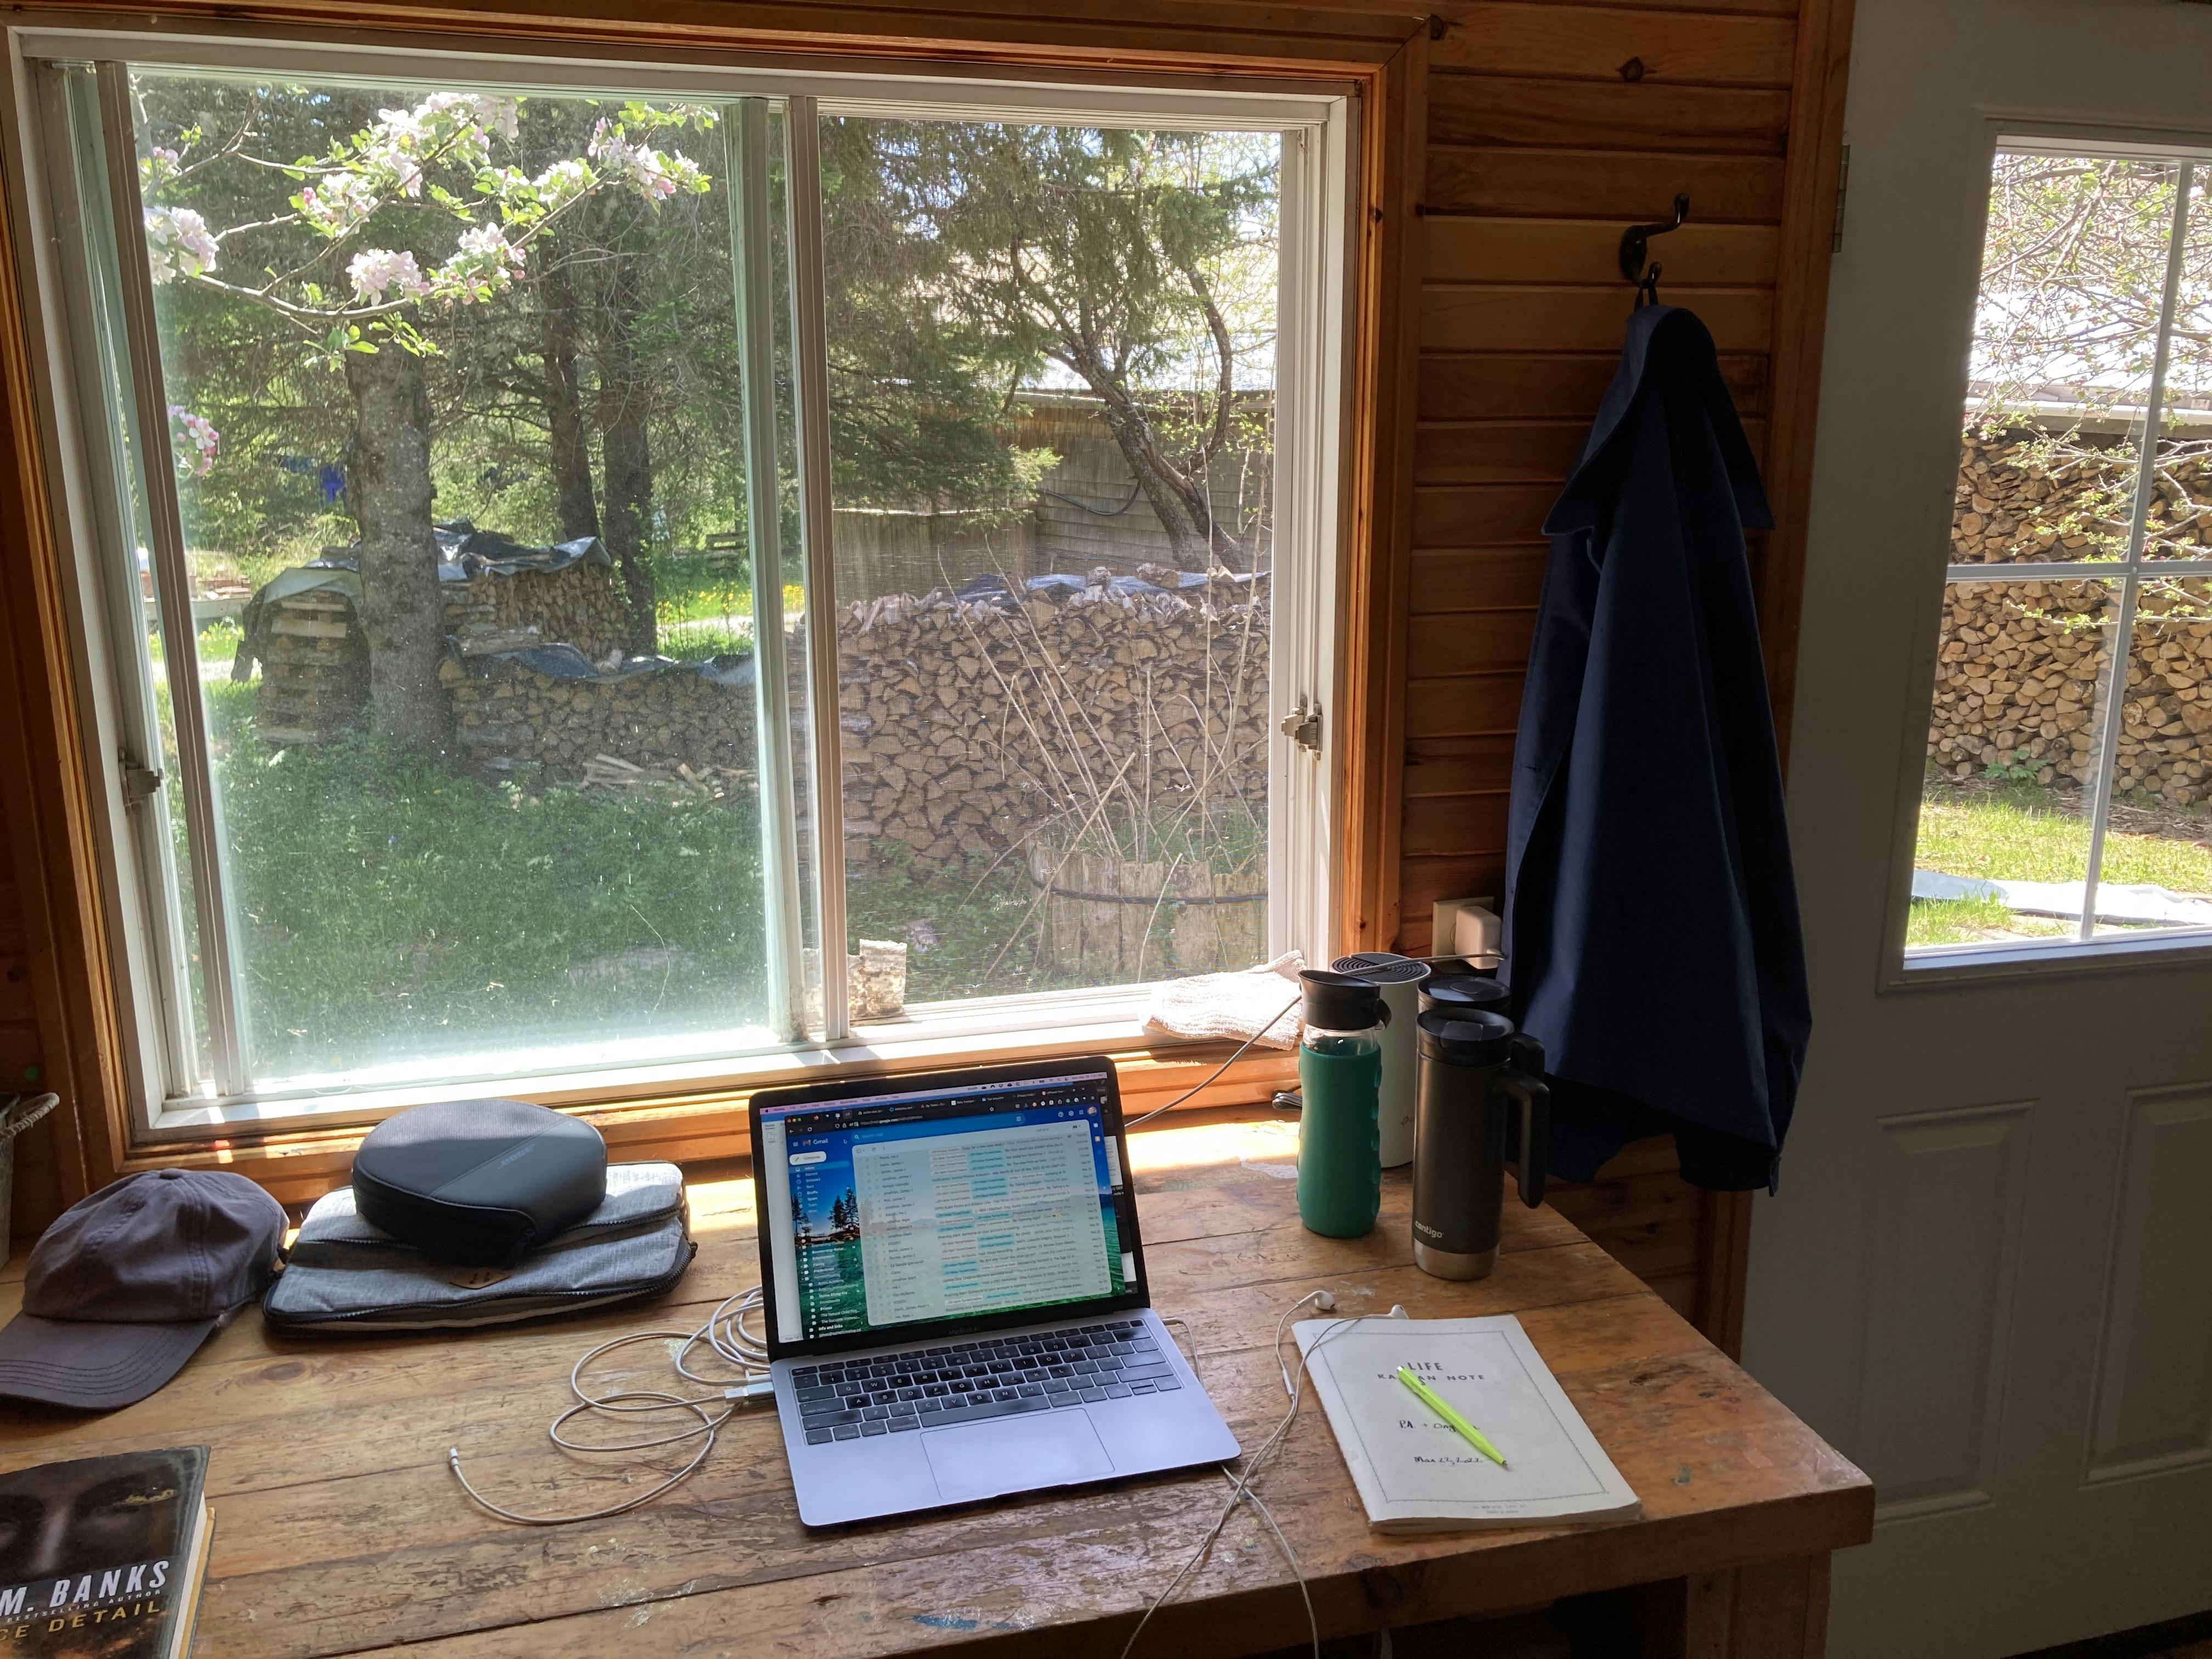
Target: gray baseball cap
{"x":124,"y":1288}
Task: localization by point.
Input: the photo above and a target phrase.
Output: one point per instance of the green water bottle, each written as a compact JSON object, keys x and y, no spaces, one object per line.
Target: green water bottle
{"x":1340,"y":1077}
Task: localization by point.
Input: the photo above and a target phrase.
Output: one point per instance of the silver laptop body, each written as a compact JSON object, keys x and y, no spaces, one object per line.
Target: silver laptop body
{"x":955,"y":1294}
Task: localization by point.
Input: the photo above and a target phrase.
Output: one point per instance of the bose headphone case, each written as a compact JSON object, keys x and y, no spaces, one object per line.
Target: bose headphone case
{"x":479,"y":1182}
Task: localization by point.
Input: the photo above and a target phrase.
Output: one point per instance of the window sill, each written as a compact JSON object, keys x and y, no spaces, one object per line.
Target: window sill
{"x":1955,"y":964}
{"x":697,"y":1114}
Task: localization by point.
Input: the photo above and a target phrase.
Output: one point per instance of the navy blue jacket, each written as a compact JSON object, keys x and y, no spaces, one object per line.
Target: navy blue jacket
{"x":1651,"y":931}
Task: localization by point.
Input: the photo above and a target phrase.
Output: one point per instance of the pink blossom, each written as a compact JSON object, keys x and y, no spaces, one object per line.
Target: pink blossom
{"x":339,"y":202}
{"x":178,"y":243}
{"x":484,"y":262}
{"x":653,"y":174}
{"x":377,"y":270}
{"x":200,"y":433}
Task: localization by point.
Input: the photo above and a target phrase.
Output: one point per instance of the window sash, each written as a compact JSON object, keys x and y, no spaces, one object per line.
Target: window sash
{"x":1312,"y":387}
{"x":2125,"y":575}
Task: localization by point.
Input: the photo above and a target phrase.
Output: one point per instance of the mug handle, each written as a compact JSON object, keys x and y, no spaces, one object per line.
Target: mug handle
{"x":1535,"y":1098}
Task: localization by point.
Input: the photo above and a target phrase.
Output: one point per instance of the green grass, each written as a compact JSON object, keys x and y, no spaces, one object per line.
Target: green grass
{"x":393,"y":908}
{"x":973,"y":930}
{"x":2018,"y":832}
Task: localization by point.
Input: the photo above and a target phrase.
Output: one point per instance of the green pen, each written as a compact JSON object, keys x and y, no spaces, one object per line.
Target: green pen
{"x":1428,"y":1397}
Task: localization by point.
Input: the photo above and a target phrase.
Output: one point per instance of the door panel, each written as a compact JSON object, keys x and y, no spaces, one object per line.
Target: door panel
{"x":2153,"y":1401}
{"x":1987,"y":1276}
{"x":1945,"y":1255}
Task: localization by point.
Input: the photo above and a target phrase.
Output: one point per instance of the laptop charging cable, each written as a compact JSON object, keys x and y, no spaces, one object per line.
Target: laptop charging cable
{"x":1243,"y":1482}
{"x":733,"y":1346}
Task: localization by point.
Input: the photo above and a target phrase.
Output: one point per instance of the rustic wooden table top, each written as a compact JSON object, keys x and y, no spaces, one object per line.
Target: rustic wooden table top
{"x":340,"y":1529}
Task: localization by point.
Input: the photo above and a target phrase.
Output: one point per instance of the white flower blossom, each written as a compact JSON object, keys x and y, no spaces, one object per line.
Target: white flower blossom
{"x":160,"y":166}
{"x":653,"y":174}
{"x":339,"y":202}
{"x":562,"y":183}
{"x":200,"y":433}
{"x":484,"y":263}
{"x":178,"y":243}
{"x":377,"y":270}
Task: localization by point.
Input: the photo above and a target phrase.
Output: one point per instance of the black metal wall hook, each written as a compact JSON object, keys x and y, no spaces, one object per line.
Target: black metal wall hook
{"x":1635,"y":243}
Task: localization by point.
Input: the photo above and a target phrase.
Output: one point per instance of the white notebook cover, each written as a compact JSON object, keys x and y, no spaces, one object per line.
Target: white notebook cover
{"x":1414,"y":1473}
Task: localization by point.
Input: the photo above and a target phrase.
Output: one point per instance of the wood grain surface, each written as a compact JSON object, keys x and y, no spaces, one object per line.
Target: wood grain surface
{"x":341,"y":1530}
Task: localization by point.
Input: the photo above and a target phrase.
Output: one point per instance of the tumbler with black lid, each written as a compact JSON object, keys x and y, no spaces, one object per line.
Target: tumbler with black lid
{"x":1341,"y":1078}
{"x":1482,"y":1101}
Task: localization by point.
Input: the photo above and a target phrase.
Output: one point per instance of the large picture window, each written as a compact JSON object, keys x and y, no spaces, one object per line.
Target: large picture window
{"x":2069,"y":777}
{"x":589,"y":570}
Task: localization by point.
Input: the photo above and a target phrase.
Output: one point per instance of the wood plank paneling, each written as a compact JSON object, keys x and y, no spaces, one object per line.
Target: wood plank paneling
{"x":1466,"y":248}
{"x":1477,"y":578}
{"x":1550,"y":127}
{"x":1499,"y":109}
{"x":1471,"y":643}
{"x":1528,"y":382}
{"x":1508,"y":451}
{"x":1478,"y":705}
{"x":1492,"y":317}
{"x":1577,"y":184}
{"x":1513,"y":37}
{"x":1456,"y":766}
{"x":1443,"y":826}
{"x":1480,"y":515}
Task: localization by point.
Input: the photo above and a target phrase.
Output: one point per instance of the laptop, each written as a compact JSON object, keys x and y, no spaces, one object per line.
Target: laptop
{"x":954,"y":1293}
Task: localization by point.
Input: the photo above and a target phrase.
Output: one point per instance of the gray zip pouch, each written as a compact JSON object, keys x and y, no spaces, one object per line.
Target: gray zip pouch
{"x":344,"y":1275}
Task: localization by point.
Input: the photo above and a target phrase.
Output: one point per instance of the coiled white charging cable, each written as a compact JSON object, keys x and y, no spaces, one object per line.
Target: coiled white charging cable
{"x":733,"y":1345}
{"x":1242,"y":1481}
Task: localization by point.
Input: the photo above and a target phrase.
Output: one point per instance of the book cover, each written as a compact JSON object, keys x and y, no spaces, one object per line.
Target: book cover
{"x":101,"y":1559}
{"x":1414,"y":1471}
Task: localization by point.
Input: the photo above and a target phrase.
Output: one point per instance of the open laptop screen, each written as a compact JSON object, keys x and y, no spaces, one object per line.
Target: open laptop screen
{"x":944,"y":1203}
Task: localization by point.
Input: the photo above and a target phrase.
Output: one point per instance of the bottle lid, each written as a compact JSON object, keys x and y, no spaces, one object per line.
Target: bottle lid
{"x":1341,"y":1002}
{"x":1381,"y":967}
{"x":1466,"y":1037}
{"x":1462,"y":992}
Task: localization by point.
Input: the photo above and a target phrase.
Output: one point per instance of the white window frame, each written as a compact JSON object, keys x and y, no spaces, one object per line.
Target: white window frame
{"x":2086,"y":950}
{"x":1318,"y":122}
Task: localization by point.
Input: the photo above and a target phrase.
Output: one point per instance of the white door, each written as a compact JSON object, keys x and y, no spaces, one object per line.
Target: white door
{"x":1988,"y":1274}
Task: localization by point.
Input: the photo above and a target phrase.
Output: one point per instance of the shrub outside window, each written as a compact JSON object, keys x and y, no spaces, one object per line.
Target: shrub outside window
{"x":561,"y":549}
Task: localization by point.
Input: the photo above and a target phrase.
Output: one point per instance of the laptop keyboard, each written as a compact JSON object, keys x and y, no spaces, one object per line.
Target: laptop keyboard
{"x":968,"y":1381}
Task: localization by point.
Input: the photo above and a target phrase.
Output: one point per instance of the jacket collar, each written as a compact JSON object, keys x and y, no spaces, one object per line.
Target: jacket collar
{"x":1665,"y":346}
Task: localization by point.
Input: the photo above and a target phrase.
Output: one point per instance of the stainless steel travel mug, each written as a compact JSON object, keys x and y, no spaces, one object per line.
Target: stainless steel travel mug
{"x":1482,"y":1100}
{"x":1400,"y":980}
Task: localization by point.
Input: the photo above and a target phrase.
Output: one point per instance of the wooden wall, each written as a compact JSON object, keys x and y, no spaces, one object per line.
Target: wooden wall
{"x":1550,"y":127}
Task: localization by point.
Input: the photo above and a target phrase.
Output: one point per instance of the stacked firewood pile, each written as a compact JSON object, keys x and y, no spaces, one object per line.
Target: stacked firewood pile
{"x":315,"y":668}
{"x":968,"y":723}
{"x":554,"y":707}
{"x":2020,"y":661}
{"x":578,"y":605}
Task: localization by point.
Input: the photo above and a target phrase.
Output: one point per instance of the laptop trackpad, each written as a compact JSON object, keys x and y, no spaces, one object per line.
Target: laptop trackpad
{"x":1016,"y":1454}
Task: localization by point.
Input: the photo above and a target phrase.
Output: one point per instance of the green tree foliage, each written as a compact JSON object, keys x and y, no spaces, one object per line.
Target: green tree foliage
{"x":1125,"y":261}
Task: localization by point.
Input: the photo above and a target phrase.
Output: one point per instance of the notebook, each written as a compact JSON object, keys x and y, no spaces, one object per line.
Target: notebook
{"x":1414,"y":1473}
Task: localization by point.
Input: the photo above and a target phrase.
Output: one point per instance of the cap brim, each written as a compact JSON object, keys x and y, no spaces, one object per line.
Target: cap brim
{"x":64,"y":1362}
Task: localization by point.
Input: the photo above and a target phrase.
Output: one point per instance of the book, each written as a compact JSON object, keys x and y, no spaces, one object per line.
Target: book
{"x":103,"y":1557}
{"x":1414,"y":1471}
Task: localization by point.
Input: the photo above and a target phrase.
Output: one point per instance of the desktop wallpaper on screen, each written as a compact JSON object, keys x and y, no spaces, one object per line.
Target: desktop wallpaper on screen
{"x":948,"y":1217}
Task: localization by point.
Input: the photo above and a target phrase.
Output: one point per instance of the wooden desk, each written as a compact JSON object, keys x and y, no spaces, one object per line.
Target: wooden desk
{"x":340,"y":1530}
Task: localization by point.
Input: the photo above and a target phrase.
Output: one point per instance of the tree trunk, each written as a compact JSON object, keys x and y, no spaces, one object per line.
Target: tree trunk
{"x":626,"y":449}
{"x":388,"y":486}
{"x":574,"y":498}
{"x":1178,"y":498}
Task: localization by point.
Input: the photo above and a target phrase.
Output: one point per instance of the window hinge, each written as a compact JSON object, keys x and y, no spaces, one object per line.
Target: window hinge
{"x":139,"y":782}
{"x":1303,"y":725}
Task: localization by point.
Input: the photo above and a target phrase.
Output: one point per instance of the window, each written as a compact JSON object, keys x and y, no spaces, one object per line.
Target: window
{"x":596,"y":569}
{"x":2069,"y":791}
